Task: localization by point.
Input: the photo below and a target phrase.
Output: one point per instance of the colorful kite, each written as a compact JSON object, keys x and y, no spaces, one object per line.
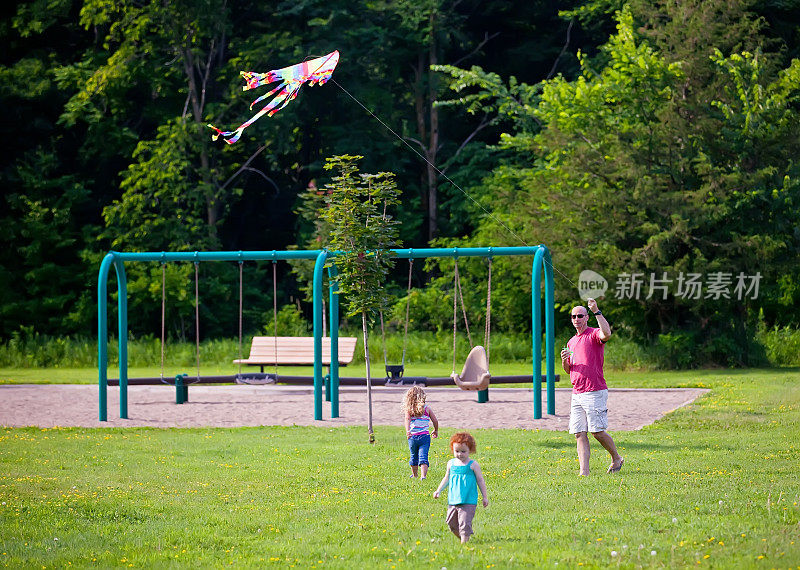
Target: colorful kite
{"x":317,"y":71}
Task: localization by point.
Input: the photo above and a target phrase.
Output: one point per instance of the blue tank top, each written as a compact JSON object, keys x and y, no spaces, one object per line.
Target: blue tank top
{"x":463,"y":488}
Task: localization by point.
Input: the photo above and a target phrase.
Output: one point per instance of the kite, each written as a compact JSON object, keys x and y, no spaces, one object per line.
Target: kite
{"x":316,"y":71}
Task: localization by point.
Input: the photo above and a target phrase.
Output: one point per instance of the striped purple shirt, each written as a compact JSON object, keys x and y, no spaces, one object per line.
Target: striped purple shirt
{"x":421,"y":424}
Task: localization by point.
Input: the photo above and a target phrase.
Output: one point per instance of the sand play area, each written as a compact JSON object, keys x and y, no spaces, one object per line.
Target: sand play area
{"x":269,"y":405}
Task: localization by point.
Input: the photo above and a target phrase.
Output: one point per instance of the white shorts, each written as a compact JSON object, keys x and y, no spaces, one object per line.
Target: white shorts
{"x":589,"y":412}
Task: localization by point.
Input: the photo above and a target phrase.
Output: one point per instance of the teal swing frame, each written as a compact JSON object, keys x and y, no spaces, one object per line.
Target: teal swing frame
{"x":542,"y":269}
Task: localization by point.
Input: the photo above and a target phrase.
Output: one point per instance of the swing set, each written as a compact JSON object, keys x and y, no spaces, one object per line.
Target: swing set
{"x":474,"y":375}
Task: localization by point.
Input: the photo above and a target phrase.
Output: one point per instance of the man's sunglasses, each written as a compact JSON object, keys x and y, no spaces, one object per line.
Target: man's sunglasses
{"x":578,"y":316}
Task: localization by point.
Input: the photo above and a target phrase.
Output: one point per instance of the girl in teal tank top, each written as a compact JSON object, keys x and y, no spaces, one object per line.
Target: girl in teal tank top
{"x":463,"y":478}
{"x":463,"y":487}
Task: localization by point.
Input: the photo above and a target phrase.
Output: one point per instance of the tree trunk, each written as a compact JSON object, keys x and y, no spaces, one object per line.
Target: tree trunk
{"x":197,"y":100}
{"x":428,"y":131}
{"x":369,"y":380}
{"x":420,"y":105}
{"x":433,"y":143}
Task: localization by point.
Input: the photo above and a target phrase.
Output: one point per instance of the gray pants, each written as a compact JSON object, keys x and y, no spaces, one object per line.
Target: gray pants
{"x":459,"y":519}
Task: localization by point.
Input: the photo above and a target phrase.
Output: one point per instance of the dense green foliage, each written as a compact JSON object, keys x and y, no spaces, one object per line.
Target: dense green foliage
{"x":657,"y":164}
{"x":690,"y":495}
{"x":656,"y":140}
{"x":105,"y":144}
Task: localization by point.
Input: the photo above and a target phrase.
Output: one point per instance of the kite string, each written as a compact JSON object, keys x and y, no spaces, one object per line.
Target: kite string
{"x":451,"y":181}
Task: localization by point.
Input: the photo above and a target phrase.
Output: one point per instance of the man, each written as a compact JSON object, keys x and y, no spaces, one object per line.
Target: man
{"x":583,"y":361}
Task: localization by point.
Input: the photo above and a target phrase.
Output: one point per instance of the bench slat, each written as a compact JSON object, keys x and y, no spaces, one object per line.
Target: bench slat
{"x":293,"y":350}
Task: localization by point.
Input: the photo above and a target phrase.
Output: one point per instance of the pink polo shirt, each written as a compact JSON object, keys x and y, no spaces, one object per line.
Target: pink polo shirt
{"x":586,"y":362}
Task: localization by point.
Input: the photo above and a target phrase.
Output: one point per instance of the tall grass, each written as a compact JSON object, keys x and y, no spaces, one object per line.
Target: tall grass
{"x":713,"y":485}
{"x":41,"y":351}
{"x":66,"y":352}
{"x":33,"y":350}
{"x":782,"y":347}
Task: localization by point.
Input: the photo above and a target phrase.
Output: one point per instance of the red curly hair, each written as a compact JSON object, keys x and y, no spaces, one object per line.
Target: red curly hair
{"x":464,"y":438}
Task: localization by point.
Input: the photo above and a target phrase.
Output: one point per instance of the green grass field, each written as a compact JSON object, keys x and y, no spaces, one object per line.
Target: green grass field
{"x":715,"y":484}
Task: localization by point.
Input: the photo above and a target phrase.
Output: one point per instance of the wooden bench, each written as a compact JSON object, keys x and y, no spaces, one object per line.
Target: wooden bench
{"x":295,"y":351}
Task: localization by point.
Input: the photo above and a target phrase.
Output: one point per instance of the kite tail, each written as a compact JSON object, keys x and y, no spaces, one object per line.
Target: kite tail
{"x":225,"y":134}
{"x":270,"y":108}
{"x":277,"y":99}
{"x":287,"y":94}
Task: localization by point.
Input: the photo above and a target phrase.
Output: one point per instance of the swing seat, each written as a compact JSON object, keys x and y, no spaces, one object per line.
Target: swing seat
{"x":394,"y":373}
{"x":475,"y":374}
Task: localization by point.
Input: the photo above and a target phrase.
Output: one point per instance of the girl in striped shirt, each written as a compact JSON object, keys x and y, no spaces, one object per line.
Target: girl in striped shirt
{"x":419,"y":416}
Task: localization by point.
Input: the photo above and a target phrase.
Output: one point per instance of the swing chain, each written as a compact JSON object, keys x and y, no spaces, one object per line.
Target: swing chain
{"x":383,"y":338}
{"x":408,"y":306}
{"x":455,"y":313}
{"x":405,"y":325}
{"x":488,"y":311}
{"x":458,"y":294}
{"x":463,"y":306}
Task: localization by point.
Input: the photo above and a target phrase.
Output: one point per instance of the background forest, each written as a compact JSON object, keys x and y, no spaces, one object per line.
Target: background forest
{"x":651,"y":141}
